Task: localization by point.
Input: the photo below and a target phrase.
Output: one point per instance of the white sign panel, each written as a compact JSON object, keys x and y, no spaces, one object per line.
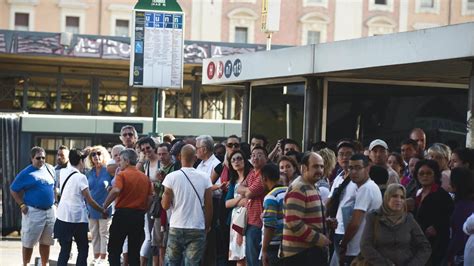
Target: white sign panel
{"x":157,"y":49}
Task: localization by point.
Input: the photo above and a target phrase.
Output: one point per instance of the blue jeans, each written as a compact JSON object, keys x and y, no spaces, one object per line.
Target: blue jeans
{"x":188,"y":242}
{"x":64,"y":232}
{"x":253,"y":239}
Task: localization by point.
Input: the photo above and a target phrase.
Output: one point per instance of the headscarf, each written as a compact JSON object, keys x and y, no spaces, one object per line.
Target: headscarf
{"x":393,"y":217}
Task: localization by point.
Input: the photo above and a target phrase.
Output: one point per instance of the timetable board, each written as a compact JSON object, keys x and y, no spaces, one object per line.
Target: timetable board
{"x":157,"y":49}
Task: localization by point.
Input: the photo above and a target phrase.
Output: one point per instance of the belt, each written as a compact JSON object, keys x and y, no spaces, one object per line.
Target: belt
{"x":41,"y":208}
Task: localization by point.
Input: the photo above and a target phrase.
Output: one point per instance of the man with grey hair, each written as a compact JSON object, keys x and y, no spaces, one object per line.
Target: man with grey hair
{"x":132,"y":192}
{"x":129,"y":136}
{"x":204,"y":152}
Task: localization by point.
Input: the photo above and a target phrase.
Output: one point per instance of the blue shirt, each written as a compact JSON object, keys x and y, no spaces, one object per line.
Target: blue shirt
{"x":37,"y":184}
{"x":98,"y":187}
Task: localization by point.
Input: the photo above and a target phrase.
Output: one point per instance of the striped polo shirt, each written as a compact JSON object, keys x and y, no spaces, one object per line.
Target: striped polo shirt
{"x":303,"y":217}
{"x":273,"y":213}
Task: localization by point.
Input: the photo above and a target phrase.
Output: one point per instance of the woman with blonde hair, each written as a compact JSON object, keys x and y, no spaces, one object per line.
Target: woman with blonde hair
{"x":441,"y":153}
{"x":392,"y":226}
{"x":99,"y":181}
{"x":329,"y":158}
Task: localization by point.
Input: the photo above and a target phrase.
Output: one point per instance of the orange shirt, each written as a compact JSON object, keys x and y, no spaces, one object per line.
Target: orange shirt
{"x":135,"y":187}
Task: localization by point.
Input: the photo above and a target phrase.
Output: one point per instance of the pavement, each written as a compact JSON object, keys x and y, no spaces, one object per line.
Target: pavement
{"x":10,"y":253}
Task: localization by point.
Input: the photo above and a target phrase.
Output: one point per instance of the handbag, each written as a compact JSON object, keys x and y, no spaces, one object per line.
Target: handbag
{"x":360,"y":260}
{"x":239,"y":223}
{"x":155,"y":207}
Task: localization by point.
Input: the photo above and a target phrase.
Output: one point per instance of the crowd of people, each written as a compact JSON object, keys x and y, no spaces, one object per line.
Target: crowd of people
{"x":193,"y":201}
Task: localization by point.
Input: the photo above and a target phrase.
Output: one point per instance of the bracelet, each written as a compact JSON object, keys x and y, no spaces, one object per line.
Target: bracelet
{"x":22,"y":205}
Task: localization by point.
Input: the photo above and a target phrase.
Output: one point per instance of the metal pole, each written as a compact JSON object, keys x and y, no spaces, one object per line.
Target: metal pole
{"x":269,"y":41}
{"x":313,"y":110}
{"x":246,"y":113}
{"x":155,"y":111}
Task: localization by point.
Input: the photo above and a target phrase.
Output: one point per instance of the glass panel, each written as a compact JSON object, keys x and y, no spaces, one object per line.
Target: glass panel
{"x":427,"y":3}
{"x":380,"y":2}
{"x":368,"y":111}
{"x":271,"y":108}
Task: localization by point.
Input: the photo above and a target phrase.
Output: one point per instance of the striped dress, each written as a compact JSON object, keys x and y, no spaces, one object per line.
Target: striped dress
{"x":303,"y":218}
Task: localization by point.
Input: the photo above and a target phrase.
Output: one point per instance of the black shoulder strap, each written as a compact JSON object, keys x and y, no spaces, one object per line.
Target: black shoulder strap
{"x":67,"y":179}
{"x":47,"y":168}
{"x":199,"y":198}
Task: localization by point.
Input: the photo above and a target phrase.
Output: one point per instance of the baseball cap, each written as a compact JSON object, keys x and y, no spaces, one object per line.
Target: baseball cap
{"x":378,"y":142}
{"x":110,"y":162}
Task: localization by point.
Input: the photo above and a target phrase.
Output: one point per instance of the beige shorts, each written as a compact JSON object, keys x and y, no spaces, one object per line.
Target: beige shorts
{"x":37,"y":226}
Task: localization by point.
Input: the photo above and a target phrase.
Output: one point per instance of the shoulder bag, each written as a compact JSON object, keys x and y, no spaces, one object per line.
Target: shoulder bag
{"x":195,"y":191}
{"x":65,"y":182}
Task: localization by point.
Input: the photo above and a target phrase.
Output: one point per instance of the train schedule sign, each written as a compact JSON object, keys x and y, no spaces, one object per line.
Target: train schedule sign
{"x":156,"y":59}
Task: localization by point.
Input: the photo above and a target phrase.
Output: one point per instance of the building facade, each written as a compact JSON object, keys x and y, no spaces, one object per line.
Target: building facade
{"x":302,"y":21}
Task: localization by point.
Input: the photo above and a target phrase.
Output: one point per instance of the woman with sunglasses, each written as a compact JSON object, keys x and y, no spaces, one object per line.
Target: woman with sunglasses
{"x":99,"y":181}
{"x":151,"y":168}
{"x":238,"y":171}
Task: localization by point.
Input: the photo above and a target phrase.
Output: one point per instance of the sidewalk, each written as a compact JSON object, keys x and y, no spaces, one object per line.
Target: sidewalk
{"x":10,"y":253}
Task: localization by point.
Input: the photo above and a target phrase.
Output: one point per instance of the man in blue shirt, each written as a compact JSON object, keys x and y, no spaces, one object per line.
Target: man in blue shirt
{"x":33,"y":191}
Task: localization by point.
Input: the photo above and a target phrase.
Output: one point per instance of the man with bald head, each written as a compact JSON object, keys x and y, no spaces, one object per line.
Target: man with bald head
{"x":418,"y":135}
{"x":188,"y":194}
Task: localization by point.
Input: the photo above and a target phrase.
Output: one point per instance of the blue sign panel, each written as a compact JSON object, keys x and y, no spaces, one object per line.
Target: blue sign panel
{"x":159,"y":21}
{"x":168,"y":18}
{"x":237,"y":67}
{"x":228,"y":69}
{"x":149,"y":20}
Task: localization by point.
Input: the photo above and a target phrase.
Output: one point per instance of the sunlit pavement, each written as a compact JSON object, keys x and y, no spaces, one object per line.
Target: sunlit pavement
{"x":10,"y":253}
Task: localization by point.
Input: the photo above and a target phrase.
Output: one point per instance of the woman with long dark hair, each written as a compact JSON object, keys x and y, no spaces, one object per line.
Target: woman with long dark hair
{"x":238,"y":171}
{"x":434,"y":207}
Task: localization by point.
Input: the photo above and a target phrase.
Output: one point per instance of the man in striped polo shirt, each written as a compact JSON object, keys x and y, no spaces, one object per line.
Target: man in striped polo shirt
{"x":272,"y":214}
{"x":304,"y":240}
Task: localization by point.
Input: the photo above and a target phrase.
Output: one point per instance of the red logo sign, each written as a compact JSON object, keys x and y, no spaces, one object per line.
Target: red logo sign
{"x":220,"y":69}
{"x":211,"y":70}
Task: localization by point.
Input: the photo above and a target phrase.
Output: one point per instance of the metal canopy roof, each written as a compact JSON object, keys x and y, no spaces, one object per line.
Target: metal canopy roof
{"x":436,"y":55}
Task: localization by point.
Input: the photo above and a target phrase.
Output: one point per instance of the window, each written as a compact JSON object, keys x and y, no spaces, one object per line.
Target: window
{"x":380,"y":25}
{"x":72,"y":24}
{"x":122,"y":27}
{"x":470,"y":4}
{"x":314,"y":28}
{"x":427,"y":3}
{"x":22,"y":21}
{"x":313,"y":37}
{"x":242,"y":24}
{"x":241,"y":34}
{"x":381,"y":5}
{"x":467,"y":7}
{"x":321,"y":3}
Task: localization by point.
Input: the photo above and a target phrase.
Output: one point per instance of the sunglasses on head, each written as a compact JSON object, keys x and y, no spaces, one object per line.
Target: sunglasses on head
{"x":236,"y":159}
{"x":130,"y":134}
{"x":233,"y":145}
{"x":95,"y":153}
{"x":146,"y":148}
{"x":40,"y":158}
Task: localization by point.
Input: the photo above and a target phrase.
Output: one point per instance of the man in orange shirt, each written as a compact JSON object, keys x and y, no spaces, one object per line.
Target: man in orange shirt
{"x":133,"y":193}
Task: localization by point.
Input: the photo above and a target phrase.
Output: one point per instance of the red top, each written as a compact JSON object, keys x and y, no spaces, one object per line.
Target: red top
{"x":255,"y":204}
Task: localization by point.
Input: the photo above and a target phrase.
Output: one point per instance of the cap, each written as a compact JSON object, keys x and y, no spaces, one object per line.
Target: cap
{"x":110,"y":162}
{"x":378,"y":142}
